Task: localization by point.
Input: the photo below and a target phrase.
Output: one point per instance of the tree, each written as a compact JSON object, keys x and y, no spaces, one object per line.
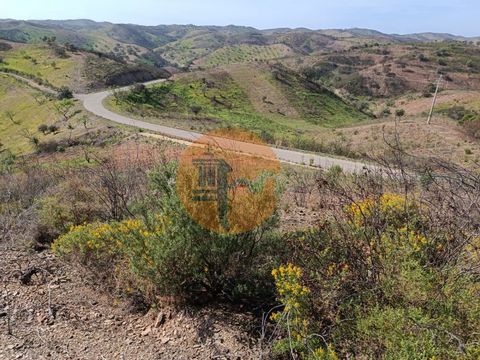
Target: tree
{"x":64,"y":107}
{"x":11,"y":116}
{"x":84,"y":121}
{"x":43,"y":128}
{"x":399,"y":113}
{"x":196,"y":109}
{"x":64,"y":93}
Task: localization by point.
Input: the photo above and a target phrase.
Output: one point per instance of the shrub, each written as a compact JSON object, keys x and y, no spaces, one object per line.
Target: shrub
{"x":72,"y":204}
{"x":7,"y":161}
{"x":386,"y":112}
{"x":43,"y":128}
{"x":423,"y":58}
{"x":293,"y":319}
{"x":196,"y":109}
{"x":53,"y":128}
{"x":64,"y":93}
{"x":170,"y":254}
{"x":399,"y":113}
{"x":381,"y":283}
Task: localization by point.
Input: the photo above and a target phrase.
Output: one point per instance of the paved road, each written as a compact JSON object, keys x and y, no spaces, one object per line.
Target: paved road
{"x":94,"y":103}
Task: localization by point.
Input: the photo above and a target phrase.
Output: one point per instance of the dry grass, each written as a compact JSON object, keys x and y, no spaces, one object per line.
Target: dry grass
{"x":41,"y":61}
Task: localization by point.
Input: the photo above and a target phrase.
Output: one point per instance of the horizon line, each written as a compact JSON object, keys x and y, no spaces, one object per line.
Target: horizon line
{"x":248,"y":26}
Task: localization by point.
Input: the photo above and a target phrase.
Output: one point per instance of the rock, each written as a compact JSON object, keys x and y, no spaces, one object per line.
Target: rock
{"x":164,"y":340}
{"x":41,"y":318}
{"x":160,"y":320}
{"x":147,"y":331}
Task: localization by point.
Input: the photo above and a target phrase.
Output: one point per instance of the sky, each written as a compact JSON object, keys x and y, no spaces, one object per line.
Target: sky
{"x":458,"y":17}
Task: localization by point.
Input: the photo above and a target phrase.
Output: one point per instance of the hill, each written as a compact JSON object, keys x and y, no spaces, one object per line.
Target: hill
{"x":288,"y":85}
{"x":281,"y":106}
{"x":57,"y":65}
{"x":183,"y":44}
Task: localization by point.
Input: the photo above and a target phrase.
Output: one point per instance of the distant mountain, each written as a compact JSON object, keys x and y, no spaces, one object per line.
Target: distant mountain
{"x":153,"y":36}
{"x":183,"y":45}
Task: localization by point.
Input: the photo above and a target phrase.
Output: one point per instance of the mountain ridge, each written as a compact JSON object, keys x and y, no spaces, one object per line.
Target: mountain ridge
{"x":79,"y":23}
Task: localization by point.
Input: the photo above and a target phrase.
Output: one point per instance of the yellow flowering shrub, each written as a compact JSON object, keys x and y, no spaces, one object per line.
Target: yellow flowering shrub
{"x":293,"y":295}
{"x":414,"y":239}
{"x":98,"y":239}
{"x":397,"y":219}
{"x":324,"y":354}
{"x":387,"y":206}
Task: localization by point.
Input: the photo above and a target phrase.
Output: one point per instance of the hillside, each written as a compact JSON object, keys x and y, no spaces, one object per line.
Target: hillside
{"x":183,"y":44}
{"x":325,"y":219}
{"x":58,"y":65}
{"x":288,"y":85}
{"x":279,"y":105}
{"x":23,"y":110}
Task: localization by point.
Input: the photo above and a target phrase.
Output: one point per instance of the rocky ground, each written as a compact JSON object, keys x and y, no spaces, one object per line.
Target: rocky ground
{"x":52,"y":310}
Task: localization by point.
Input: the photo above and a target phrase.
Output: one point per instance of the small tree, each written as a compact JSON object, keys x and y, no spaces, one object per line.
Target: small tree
{"x":11,"y":116}
{"x":43,"y":128}
{"x":196,"y":109}
{"x":64,"y":93}
{"x":53,"y":129}
{"x":84,"y":121}
{"x":399,"y":113}
{"x":63,"y":108}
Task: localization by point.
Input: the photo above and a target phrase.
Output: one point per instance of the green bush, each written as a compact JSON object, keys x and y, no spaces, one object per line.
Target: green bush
{"x":381,"y":284}
{"x":72,"y":204}
{"x":64,"y":93}
{"x":168,"y":253}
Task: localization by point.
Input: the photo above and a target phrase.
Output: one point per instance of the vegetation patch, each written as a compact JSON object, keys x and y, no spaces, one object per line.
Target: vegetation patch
{"x":41,"y":61}
{"x":316,"y":103}
{"x":245,"y":53}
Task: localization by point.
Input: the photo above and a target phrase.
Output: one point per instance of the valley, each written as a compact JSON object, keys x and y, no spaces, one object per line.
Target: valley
{"x":342,"y":225}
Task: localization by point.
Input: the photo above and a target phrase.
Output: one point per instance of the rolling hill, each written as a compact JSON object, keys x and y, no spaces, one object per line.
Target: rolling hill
{"x":183,"y":44}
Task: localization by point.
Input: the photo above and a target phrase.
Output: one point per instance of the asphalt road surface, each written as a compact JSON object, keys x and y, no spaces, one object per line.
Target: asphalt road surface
{"x":94,"y":103}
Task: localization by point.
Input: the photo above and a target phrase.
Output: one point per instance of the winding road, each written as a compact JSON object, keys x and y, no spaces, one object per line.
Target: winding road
{"x":93,"y":103}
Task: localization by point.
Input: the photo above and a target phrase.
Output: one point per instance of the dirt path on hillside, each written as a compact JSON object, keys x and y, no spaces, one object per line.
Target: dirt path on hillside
{"x":30,"y":83}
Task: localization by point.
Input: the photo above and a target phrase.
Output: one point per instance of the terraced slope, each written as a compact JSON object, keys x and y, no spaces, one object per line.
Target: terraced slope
{"x":244,"y":53}
{"x":258,"y":84}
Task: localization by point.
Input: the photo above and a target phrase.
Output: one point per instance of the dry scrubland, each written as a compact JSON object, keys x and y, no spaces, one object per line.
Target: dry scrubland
{"x":391,"y":269}
{"x":100,"y":259}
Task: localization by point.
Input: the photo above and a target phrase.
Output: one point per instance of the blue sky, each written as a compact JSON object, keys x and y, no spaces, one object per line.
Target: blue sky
{"x":459,"y":17}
